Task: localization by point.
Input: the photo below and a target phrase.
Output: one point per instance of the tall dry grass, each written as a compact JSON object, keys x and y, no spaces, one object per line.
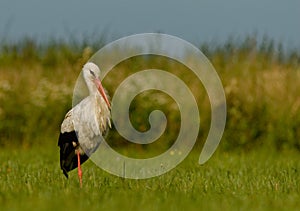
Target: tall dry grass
{"x":261,"y":82}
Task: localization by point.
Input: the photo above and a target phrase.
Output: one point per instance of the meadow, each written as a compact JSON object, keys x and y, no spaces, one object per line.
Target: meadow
{"x":257,"y":180}
{"x":256,"y":165}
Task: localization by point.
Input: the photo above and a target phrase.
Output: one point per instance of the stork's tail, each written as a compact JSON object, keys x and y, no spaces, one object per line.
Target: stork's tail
{"x":68,"y":158}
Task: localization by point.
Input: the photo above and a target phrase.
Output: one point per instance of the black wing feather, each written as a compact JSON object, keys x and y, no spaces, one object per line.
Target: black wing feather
{"x":68,"y":157}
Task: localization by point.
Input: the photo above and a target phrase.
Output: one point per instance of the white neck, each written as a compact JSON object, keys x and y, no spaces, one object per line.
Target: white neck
{"x":91,"y":87}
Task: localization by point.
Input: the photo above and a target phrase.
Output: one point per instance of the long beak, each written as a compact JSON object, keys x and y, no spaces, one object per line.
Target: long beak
{"x":102,"y":92}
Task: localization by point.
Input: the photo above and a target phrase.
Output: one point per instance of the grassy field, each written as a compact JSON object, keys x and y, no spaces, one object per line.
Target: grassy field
{"x":256,"y":166}
{"x":37,"y":81}
{"x":260,"y":180}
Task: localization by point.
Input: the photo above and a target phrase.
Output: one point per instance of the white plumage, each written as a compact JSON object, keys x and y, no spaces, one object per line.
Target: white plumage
{"x":88,"y":121}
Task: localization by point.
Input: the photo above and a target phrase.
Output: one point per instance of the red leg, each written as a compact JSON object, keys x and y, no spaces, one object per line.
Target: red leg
{"x":79,"y":169}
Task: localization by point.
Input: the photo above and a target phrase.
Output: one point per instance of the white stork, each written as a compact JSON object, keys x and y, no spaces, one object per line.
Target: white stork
{"x":86,"y":122}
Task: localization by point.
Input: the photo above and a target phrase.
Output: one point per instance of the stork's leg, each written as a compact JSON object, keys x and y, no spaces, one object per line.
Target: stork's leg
{"x":79,"y":168}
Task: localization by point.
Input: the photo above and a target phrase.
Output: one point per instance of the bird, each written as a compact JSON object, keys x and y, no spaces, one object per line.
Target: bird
{"x":85,"y":124}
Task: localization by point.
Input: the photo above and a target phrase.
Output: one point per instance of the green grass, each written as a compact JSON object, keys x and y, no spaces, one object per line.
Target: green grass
{"x":256,"y":166}
{"x":257,"y":180}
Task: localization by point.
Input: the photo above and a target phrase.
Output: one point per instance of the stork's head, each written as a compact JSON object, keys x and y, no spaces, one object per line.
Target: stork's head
{"x":91,"y":73}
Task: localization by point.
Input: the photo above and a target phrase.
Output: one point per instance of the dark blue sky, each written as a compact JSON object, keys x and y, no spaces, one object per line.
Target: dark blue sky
{"x":192,"y":20}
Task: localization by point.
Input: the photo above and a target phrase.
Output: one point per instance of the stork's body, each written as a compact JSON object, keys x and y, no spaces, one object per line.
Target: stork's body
{"x":84,"y":124}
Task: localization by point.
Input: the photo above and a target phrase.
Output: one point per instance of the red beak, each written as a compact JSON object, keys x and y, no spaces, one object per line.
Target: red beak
{"x":102,"y":92}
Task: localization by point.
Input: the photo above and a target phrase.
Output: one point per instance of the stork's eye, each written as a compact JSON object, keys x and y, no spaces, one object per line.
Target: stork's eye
{"x":92,"y":73}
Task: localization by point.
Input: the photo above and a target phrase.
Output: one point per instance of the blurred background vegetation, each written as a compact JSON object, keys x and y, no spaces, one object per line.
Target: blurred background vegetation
{"x":261,"y":82}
